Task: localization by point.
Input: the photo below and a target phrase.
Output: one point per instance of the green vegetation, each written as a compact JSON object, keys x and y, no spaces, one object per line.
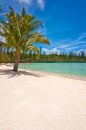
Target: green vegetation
{"x":33,"y":57}
{"x":0,"y":7}
{"x":53,"y":57}
{"x":20,"y":33}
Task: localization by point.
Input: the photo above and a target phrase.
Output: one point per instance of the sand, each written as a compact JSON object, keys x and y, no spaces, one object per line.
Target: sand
{"x":36,"y":101}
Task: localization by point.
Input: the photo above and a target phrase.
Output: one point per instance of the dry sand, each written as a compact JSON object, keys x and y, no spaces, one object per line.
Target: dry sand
{"x":37,"y":101}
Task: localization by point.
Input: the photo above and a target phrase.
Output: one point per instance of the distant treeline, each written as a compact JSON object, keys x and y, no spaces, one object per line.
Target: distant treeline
{"x":33,"y":57}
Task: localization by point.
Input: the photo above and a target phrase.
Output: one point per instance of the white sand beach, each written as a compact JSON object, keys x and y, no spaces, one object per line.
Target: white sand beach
{"x":38,"y":101}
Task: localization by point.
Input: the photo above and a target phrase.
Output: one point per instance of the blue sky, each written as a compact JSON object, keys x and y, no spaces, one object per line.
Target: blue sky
{"x":64,"y":22}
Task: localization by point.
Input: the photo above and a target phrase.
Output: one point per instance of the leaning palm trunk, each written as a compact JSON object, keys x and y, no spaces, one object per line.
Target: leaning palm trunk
{"x":16,"y":62}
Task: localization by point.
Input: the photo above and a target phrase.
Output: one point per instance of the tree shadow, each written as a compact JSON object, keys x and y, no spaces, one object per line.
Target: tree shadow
{"x":12,"y":73}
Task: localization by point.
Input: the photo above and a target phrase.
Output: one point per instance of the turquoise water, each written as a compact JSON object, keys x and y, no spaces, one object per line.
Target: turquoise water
{"x":73,"y":69}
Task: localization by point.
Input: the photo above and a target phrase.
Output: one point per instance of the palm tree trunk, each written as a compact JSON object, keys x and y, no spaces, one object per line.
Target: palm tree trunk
{"x":16,"y":62}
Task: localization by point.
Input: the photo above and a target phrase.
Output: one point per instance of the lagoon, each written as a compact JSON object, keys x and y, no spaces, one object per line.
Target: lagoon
{"x":72,"y":69}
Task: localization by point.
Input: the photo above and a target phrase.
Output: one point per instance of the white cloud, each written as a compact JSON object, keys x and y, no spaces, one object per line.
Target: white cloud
{"x":52,"y":51}
{"x":56,"y":51}
{"x":2,"y":39}
{"x":79,"y":52}
{"x":25,"y":1}
{"x":71,"y":48}
{"x":72,"y":44}
{"x":39,"y":3}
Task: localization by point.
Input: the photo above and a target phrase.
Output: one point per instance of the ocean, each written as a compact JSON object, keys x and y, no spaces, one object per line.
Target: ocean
{"x":72,"y":69}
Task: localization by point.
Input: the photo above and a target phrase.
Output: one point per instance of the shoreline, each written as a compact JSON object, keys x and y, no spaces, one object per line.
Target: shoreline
{"x":49,"y":73}
{"x":55,"y":74}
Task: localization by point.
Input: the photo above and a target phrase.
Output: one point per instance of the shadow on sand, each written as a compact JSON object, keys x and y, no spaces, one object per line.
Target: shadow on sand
{"x":12,"y":73}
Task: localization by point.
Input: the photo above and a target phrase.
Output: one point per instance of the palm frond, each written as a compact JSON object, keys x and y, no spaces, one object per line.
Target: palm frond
{"x":20,"y":30}
{"x":1,"y":7}
{"x":33,"y":48}
{"x":37,"y":38}
{"x":2,"y":43}
{"x":23,"y":12}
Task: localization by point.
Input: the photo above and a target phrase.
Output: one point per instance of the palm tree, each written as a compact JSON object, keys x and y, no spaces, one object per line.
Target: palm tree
{"x":0,"y":7}
{"x":20,"y":30}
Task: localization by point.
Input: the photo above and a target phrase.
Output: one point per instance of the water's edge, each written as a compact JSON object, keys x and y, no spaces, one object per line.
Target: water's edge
{"x":55,"y":74}
{"x":32,"y":68}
